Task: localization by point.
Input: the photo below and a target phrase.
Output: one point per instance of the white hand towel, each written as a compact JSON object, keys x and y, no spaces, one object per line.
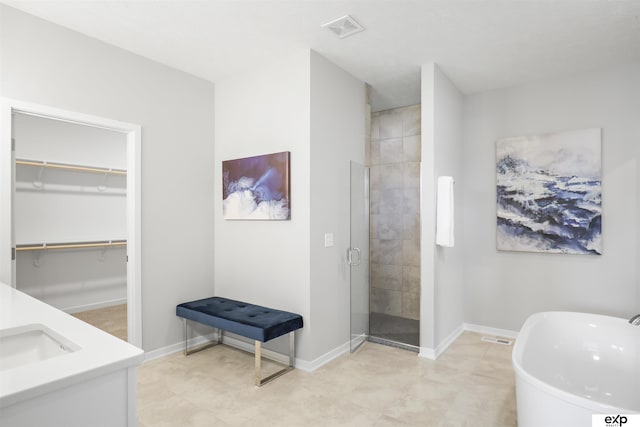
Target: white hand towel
{"x":444,"y":212}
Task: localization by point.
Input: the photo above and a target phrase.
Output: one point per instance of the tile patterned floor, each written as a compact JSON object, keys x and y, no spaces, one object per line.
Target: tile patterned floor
{"x":471,"y":384}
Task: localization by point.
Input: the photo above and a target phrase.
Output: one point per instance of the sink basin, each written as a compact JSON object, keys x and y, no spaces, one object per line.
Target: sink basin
{"x":31,"y":343}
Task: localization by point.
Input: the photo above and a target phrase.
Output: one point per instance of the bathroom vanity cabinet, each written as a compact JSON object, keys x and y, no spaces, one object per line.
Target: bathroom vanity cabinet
{"x":88,"y":380}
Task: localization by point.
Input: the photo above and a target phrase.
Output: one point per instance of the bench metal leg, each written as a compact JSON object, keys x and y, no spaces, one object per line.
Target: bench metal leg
{"x":259,"y":381}
{"x":258,"y":359}
{"x":188,"y":351}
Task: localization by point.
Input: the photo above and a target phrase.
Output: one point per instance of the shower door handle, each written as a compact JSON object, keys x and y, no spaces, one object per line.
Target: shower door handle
{"x":354,"y":262}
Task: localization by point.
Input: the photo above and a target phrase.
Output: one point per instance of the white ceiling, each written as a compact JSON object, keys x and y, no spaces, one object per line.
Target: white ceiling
{"x":479,"y":44}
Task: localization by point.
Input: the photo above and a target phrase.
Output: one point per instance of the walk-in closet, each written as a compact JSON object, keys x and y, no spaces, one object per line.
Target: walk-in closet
{"x":70,"y":218}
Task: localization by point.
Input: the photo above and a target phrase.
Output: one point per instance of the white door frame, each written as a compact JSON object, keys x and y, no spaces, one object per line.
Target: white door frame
{"x":134,"y":150}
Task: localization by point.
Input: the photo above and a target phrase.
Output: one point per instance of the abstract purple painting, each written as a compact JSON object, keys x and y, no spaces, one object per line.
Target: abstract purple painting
{"x":549,"y":195}
{"x":257,"y":188}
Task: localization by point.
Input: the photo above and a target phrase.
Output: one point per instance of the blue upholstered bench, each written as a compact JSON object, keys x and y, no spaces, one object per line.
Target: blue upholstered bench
{"x":259,"y":323}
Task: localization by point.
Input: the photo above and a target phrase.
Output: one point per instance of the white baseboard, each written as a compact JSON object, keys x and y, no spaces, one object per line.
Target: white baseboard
{"x":301,"y":364}
{"x":490,"y":331}
{"x":94,"y":306}
{"x":250,"y":348}
{"x":357,"y":340}
{"x":311,"y":366}
{"x":177,"y":347}
{"x":444,"y":345}
{"x":427,"y":353}
{"x":432,"y":354}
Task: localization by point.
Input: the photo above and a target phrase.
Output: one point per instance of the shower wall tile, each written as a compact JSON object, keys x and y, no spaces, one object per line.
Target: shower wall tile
{"x":374,"y":152}
{"x":374,"y":226}
{"x":374,"y":199}
{"x":411,"y":225}
{"x":390,"y":176}
{"x":411,"y":201}
{"x":391,"y":200}
{"x":390,"y":124}
{"x":387,"y":276}
{"x":411,"y":252}
{"x":387,"y":301}
{"x":390,"y":226}
{"x":394,"y":154}
{"x":411,"y":305}
{"x":374,"y":178}
{"x":411,"y":175}
{"x":390,"y":251}
{"x":391,"y":151}
{"x":367,"y":143}
{"x":374,"y":248}
{"x":411,"y":279}
{"x":375,"y":126}
{"x":411,"y":121}
{"x":412,"y":147}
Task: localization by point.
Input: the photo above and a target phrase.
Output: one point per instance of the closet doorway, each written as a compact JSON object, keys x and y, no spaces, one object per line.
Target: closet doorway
{"x":74,"y":216}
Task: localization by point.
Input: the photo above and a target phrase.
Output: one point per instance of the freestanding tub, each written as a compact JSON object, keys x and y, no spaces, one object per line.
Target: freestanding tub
{"x":569,"y":366}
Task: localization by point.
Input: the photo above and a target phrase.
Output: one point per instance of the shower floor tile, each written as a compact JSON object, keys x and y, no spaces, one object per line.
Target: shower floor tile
{"x":394,"y":328}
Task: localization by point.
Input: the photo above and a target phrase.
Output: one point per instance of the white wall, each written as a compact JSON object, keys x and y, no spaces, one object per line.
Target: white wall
{"x":441,"y":310}
{"x":46,"y":64}
{"x":38,"y":138}
{"x":337,"y":137}
{"x":68,"y":206}
{"x":308,"y":106}
{"x":501,"y":288}
{"x":428,"y":213}
{"x":449,"y":262}
{"x":267,"y":110}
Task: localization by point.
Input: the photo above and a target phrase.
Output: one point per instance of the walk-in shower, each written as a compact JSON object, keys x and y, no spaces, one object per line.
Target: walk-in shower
{"x":394,"y":156}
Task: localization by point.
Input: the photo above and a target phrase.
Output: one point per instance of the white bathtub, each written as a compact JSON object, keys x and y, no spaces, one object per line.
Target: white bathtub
{"x":570,"y":366}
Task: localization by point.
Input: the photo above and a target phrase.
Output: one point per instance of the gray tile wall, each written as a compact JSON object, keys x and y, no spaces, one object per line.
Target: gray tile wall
{"x":394,"y":158}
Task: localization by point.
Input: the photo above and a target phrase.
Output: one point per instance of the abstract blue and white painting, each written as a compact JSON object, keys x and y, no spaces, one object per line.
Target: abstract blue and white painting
{"x":549,"y":193}
{"x":256,"y":187}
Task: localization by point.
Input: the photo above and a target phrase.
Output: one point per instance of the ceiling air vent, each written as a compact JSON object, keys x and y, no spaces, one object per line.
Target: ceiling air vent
{"x":344,"y":26}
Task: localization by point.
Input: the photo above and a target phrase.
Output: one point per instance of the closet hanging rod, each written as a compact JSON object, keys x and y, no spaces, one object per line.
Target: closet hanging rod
{"x":70,"y":167}
{"x":74,"y":245}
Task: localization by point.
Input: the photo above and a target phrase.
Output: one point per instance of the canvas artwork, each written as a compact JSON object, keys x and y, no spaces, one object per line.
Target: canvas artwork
{"x":256,"y":187}
{"x":549,"y":195}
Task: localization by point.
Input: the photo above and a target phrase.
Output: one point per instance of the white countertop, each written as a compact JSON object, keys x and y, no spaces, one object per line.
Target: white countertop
{"x":100,"y":353}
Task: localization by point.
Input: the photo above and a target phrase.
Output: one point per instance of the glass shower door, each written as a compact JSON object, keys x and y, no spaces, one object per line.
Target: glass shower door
{"x":358,"y":254}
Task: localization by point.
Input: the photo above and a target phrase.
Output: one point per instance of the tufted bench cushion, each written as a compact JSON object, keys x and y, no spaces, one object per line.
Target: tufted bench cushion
{"x":248,"y":320}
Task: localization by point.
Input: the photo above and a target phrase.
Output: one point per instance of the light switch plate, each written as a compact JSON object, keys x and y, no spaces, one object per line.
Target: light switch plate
{"x":328,"y":240}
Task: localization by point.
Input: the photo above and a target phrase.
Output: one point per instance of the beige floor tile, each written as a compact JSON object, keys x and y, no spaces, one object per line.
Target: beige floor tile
{"x":471,"y":384}
{"x":177,"y":411}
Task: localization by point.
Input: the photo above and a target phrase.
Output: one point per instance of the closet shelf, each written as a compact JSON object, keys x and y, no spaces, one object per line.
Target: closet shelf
{"x":80,"y":168}
{"x":71,"y":245}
